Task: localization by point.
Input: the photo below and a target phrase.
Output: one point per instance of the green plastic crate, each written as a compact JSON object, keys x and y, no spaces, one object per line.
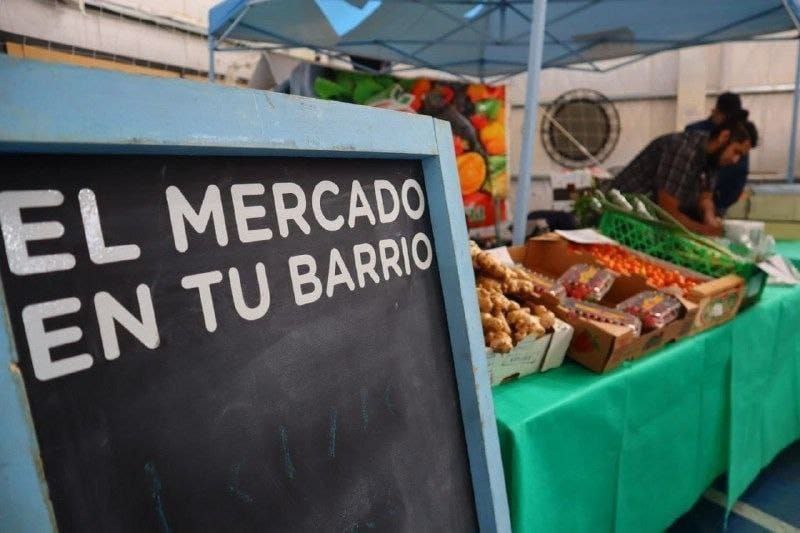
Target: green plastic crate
{"x":673,"y":246}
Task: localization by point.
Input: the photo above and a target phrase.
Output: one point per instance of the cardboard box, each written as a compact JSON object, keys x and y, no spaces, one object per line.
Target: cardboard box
{"x":530,"y":355}
{"x":717,"y":299}
{"x":597,"y":345}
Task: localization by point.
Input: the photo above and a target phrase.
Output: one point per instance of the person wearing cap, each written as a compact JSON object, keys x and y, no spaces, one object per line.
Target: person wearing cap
{"x":678,"y":171}
{"x":731,"y":180}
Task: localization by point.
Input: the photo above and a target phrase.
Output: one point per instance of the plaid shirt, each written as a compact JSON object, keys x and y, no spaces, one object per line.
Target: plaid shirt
{"x":677,"y":163}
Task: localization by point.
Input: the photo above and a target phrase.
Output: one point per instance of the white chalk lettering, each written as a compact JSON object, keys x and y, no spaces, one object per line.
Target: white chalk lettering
{"x":359,"y":205}
{"x":110,"y":312}
{"x":338,"y":273}
{"x":242,"y":213}
{"x":385,"y":216}
{"x":16,"y":233}
{"x":40,"y":341}
{"x":406,"y":261}
{"x":389,"y":261}
{"x":421,"y":238}
{"x":246,"y":312}
{"x":362,"y":267}
{"x":307,"y":278}
{"x":99,"y":253}
{"x":408,"y":185}
{"x":180,"y":210}
{"x":285,"y":214}
{"x":202,"y":282}
{"x":316,"y":205}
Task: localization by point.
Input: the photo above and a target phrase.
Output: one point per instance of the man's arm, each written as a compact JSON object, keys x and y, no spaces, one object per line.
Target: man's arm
{"x":670,"y":204}
{"x":675,"y":173}
{"x":708,"y":209}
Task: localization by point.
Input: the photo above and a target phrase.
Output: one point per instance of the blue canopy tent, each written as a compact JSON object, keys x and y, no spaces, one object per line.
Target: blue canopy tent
{"x":494,"y":39}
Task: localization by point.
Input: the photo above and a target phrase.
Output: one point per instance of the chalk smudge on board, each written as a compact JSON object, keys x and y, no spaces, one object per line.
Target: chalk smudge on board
{"x":155,"y":481}
{"x":234,"y":489}
{"x":364,"y":413}
{"x":332,"y":436}
{"x":388,"y":400}
{"x":287,"y":459}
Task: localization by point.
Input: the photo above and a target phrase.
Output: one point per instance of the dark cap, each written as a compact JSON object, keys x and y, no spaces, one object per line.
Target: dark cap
{"x":728,"y":103}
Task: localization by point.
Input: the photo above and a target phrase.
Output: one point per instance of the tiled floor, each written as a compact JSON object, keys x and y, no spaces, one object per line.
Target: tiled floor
{"x":772,"y":503}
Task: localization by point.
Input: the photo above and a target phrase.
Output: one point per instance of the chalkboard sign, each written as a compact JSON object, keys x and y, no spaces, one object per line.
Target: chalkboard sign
{"x":209,"y":338}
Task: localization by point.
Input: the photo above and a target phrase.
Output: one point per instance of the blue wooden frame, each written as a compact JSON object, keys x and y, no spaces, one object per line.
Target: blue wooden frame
{"x":63,"y":109}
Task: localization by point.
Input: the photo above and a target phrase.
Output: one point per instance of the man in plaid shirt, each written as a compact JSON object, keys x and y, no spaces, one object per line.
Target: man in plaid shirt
{"x":678,"y":171}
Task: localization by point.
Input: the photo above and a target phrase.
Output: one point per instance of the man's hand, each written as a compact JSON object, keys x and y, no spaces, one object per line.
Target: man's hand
{"x":714,"y":221}
{"x":712,"y":225}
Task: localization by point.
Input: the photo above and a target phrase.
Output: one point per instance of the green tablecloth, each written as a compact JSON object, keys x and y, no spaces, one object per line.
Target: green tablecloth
{"x":634,"y":449}
{"x":790,"y":249}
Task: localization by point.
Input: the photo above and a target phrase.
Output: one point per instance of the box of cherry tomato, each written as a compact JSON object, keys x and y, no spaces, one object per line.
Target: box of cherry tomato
{"x":718,"y":299}
{"x":604,"y":336}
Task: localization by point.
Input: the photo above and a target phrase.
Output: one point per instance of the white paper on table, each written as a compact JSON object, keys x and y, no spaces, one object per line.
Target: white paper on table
{"x":502,"y":255}
{"x":780,"y":271}
{"x":585,"y":236}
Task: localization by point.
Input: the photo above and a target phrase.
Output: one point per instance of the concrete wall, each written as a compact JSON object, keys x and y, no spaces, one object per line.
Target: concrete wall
{"x":63,"y":23}
{"x":662,"y":93}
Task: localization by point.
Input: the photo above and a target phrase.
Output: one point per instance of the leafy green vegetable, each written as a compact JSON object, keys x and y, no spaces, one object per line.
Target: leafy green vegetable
{"x":329,"y":90}
{"x":365,"y":89}
{"x":406,"y":84}
{"x":346,"y":80}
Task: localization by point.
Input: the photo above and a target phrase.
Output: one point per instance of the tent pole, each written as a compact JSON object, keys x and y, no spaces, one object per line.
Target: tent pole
{"x":535,"y":47}
{"x":793,"y":136}
{"x":212,"y":44}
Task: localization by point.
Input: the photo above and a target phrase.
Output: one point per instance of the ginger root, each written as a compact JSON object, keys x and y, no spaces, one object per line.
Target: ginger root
{"x":546,"y":317}
{"x":524,"y":323}
{"x":519,"y":288}
{"x":499,"y":342}
{"x":490,"y":284}
{"x":496,"y":332}
{"x":489,"y":265}
{"x":484,"y":299}
{"x":505,"y":322}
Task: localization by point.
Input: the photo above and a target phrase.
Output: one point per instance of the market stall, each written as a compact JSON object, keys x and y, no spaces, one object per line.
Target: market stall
{"x":582,"y":449}
{"x":633,"y":450}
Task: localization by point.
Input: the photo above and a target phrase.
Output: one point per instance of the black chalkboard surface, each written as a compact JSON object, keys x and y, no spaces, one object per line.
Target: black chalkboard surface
{"x":336,"y":415}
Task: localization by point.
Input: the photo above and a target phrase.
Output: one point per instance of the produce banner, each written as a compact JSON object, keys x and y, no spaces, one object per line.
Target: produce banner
{"x":476,"y":112}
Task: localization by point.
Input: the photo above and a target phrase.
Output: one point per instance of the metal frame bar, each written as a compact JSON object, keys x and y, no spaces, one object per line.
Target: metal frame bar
{"x":329,"y":53}
{"x":444,"y":36}
{"x":790,"y":159}
{"x":557,"y":41}
{"x":414,"y":58}
{"x":535,"y":51}
{"x":212,"y":45}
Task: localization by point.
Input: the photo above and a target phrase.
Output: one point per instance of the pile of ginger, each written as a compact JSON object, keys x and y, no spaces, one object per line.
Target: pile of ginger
{"x":500,"y":290}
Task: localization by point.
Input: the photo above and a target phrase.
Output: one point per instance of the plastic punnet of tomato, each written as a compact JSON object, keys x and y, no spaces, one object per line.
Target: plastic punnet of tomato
{"x":655,"y":309}
{"x":587,"y":282}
